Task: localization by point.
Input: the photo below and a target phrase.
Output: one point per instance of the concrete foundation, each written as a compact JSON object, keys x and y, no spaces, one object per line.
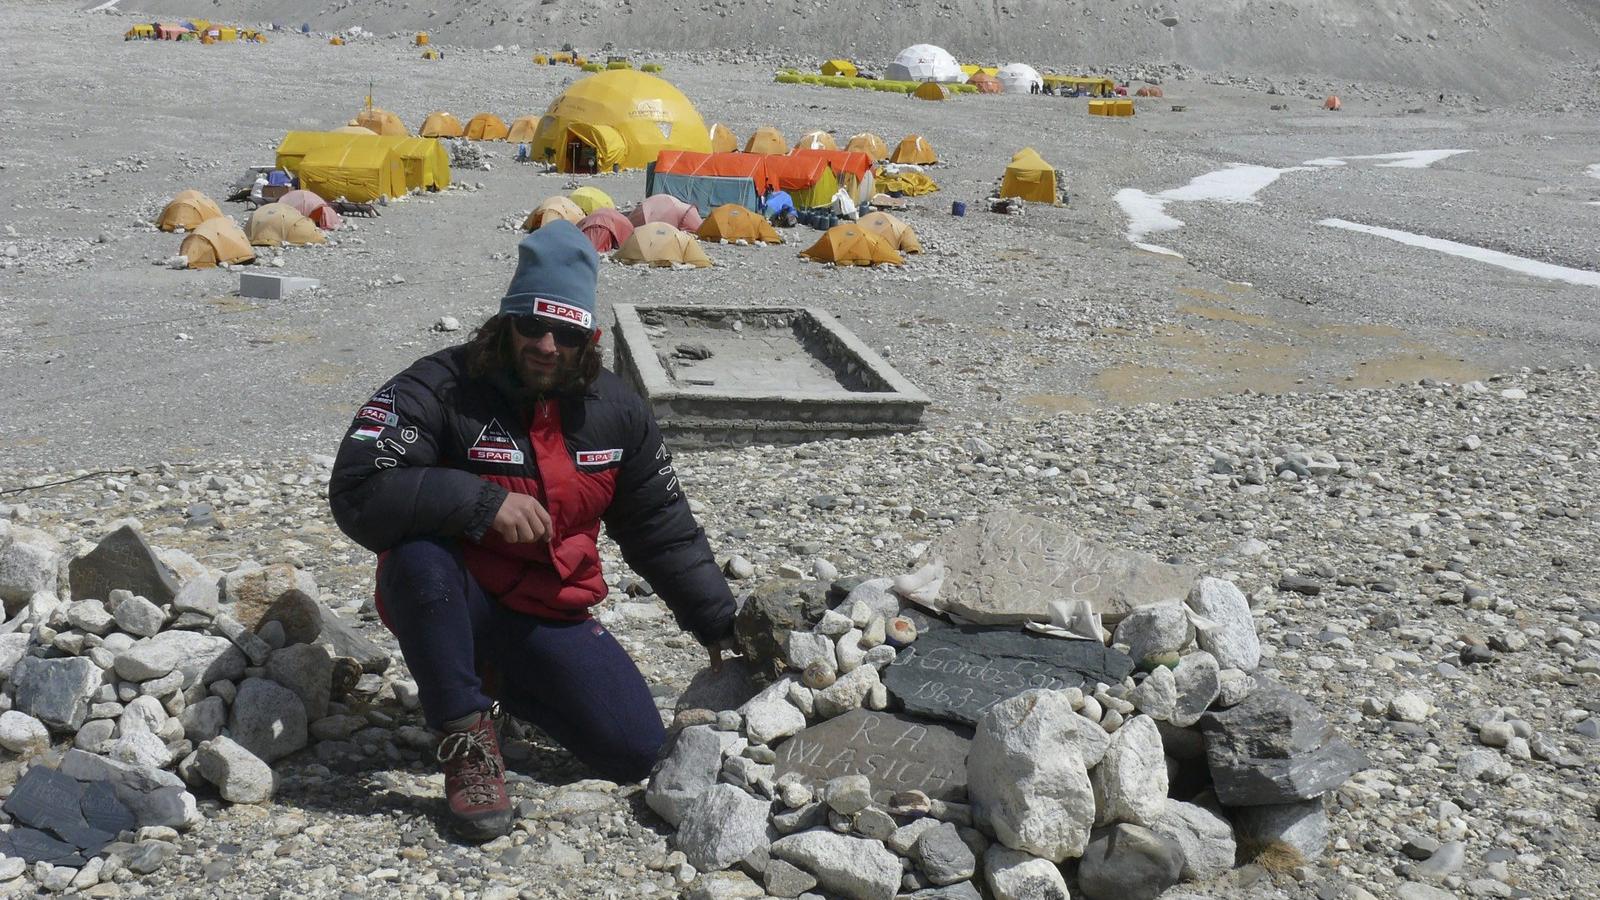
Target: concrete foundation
{"x":722,"y":376}
{"x":273,"y":287}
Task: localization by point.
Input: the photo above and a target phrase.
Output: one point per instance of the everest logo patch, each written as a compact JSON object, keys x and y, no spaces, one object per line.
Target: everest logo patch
{"x":495,"y":445}
{"x":598,"y":457}
{"x":380,"y":409}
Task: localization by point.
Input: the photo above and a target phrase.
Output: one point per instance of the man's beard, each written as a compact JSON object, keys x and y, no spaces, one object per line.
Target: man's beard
{"x":534,"y":384}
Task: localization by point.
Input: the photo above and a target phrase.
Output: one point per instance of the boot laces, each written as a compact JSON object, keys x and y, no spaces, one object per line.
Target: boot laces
{"x":475,"y":761}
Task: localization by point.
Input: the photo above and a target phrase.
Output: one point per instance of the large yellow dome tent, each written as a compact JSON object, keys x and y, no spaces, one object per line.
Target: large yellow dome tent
{"x":275,"y":224}
{"x":915,"y":150}
{"x":486,"y":127}
{"x":619,"y":118}
{"x":1031,"y":178}
{"x":440,"y":124}
{"x":767,"y":140}
{"x":381,"y":121}
{"x":723,"y":140}
{"x":186,"y":211}
{"x":659,"y":244}
{"x":523,"y":128}
{"x":214,"y":242}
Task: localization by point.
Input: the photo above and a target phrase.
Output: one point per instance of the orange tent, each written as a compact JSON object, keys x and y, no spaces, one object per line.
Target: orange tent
{"x":216,"y":241}
{"x":842,"y":162}
{"x":894,"y":232}
{"x":551,"y":209}
{"x":870,"y":144}
{"x":381,"y":121}
{"x":795,"y":173}
{"x":523,"y":129}
{"x":816,"y":140}
{"x":314,"y":208}
{"x":984,"y":82}
{"x":665,"y":208}
{"x":606,"y":229}
{"x":851,"y":245}
{"x":721,"y":165}
{"x":440,"y":124}
{"x":723,"y":140}
{"x":768,"y":140}
{"x":732,"y":222}
{"x":486,"y":127}
{"x":915,"y":150}
{"x":186,"y":211}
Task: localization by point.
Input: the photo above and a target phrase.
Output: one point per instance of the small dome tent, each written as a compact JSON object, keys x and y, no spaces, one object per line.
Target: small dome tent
{"x":659,"y":244}
{"x":440,"y":124}
{"x":485,"y":127}
{"x":214,"y":242}
{"x":186,"y":211}
{"x":1020,"y":78}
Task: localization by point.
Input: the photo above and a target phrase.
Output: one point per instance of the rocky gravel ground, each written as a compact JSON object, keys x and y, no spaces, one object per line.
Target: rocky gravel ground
{"x":1421,"y":563}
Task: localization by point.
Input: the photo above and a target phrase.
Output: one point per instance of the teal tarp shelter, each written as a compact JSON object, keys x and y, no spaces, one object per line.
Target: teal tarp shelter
{"x":703,"y":192}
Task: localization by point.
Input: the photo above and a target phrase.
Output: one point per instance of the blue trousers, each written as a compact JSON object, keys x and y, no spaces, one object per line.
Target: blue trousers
{"x":571,"y":679}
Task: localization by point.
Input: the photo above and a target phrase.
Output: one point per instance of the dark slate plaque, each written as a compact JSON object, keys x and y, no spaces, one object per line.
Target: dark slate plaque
{"x":46,"y":799}
{"x":956,"y":673}
{"x":895,"y":752}
{"x":104,"y":812}
{"x":122,"y":561}
{"x":33,"y":845}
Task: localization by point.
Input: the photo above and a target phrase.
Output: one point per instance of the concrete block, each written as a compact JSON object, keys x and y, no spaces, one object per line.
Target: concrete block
{"x":263,"y":286}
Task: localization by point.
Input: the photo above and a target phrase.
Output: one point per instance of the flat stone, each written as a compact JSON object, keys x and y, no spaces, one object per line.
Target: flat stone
{"x":202,"y":658}
{"x":1275,"y":748}
{"x":1128,"y":862}
{"x":1028,"y":774}
{"x":783,"y":879}
{"x":1302,"y":826}
{"x":895,"y":752}
{"x":1231,"y":637}
{"x":688,"y":767}
{"x":722,"y":826}
{"x":57,"y":691}
{"x":33,"y":846}
{"x":962,"y":890}
{"x":155,"y":796}
{"x":955,"y":673}
{"x":1008,"y":567}
{"x":267,"y":719}
{"x":103,"y":811}
{"x":345,"y":640}
{"x":852,"y":867}
{"x":122,"y":560}
{"x":1015,"y":875}
{"x":199,"y":595}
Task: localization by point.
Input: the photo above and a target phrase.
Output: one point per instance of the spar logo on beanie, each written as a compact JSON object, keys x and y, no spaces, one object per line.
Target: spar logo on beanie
{"x":557,"y":269}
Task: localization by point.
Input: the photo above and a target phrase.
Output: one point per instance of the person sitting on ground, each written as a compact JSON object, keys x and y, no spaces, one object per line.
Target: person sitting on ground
{"x":481,"y":475}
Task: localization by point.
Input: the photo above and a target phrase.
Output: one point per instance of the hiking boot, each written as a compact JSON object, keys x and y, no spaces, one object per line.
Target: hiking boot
{"x":475,"y":778}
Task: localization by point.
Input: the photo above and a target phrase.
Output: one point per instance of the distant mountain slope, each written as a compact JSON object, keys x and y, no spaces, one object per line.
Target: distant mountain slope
{"x":1495,"y":48}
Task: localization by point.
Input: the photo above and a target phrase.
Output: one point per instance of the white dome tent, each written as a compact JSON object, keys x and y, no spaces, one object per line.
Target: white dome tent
{"x":1019,"y":78}
{"x":925,"y":62}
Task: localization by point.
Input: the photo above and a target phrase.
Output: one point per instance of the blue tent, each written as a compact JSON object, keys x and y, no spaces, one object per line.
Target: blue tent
{"x":777,"y":202}
{"x":703,"y":192}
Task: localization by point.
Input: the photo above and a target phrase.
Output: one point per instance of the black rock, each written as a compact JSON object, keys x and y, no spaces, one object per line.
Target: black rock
{"x":33,"y":845}
{"x":955,"y":673}
{"x":1299,"y":584}
{"x":896,"y":753}
{"x":773,"y":609}
{"x":1128,"y":862}
{"x":1275,"y":748}
{"x":103,"y":811}
{"x":122,"y":561}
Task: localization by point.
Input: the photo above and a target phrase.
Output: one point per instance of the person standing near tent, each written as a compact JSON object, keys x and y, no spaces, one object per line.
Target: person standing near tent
{"x":480,"y":476}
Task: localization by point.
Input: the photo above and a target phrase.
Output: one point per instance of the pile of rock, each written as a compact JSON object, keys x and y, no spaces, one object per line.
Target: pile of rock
{"x":162,"y":676}
{"x":897,"y":752}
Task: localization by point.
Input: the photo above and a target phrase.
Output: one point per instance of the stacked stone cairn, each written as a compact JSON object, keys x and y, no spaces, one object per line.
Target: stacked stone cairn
{"x":132,"y":677}
{"x":940,"y":750}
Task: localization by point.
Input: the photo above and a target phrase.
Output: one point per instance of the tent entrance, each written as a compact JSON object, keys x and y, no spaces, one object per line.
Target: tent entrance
{"x":579,"y":158}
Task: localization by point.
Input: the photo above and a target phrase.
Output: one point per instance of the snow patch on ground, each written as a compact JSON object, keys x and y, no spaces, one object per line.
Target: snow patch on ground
{"x":1410,"y":159}
{"x":1478,"y":254}
{"x":1593,"y":171}
{"x":1147,"y":213}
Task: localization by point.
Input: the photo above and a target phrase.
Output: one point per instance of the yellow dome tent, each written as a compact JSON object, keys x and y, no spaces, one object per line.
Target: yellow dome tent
{"x":359,"y":171}
{"x":852,"y":245}
{"x":870,"y":144}
{"x":214,"y":242}
{"x":380,"y":121}
{"x":1031,"y":178}
{"x":276,"y":224}
{"x":550,"y":209}
{"x":839,"y":67}
{"x":816,"y":140}
{"x":931,"y":90}
{"x":894,"y":232}
{"x":440,"y":124}
{"x":430,"y":53}
{"x":768,"y":140}
{"x":590,"y":199}
{"x":620,"y":118}
{"x":353,"y":129}
{"x":486,"y":127}
{"x":915,"y":150}
{"x":186,"y":211}
{"x":659,"y":244}
{"x":336,"y":41}
{"x":732,"y":222}
{"x":523,"y":129}
{"x":723,"y":140}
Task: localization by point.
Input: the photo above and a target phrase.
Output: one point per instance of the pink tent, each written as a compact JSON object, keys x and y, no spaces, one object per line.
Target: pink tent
{"x":606,"y":229}
{"x":666,"y":208}
{"x":314,"y":208}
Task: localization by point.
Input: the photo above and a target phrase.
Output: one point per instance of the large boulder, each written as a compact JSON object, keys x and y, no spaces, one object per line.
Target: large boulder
{"x":30,"y":561}
{"x":122,"y":560}
{"x":202,"y":658}
{"x":1231,"y":634}
{"x":267,"y":719}
{"x":1275,"y":748}
{"x":853,"y":867}
{"x":306,"y":669}
{"x":1207,"y":840}
{"x":689,"y":767}
{"x":1130,"y":783}
{"x":1128,"y":862}
{"x":1302,"y":826}
{"x":722,"y":826}
{"x":251,"y":589}
{"x":155,"y":796}
{"x":1027,"y":774}
{"x":772,"y":610}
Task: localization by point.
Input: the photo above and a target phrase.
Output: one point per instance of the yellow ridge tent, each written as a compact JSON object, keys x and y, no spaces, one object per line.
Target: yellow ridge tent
{"x":839,"y":67}
{"x":359,"y":171}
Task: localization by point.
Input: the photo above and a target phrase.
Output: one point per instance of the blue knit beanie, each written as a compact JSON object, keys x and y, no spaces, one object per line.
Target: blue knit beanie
{"x":556,"y":272}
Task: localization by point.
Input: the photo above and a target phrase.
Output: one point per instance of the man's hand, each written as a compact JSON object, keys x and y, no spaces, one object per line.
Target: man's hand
{"x":726,"y":645}
{"x":521,"y":520}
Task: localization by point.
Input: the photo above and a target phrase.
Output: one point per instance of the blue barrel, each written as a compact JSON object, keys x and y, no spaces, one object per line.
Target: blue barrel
{"x":958,"y":208}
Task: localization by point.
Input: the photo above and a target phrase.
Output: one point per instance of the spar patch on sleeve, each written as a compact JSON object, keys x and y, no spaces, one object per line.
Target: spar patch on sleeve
{"x":566,"y":312}
{"x":380,"y":409}
{"x":599,"y":457}
{"x":495,"y":445}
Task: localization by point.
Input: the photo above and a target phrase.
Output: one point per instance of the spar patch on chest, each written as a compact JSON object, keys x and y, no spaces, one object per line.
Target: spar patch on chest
{"x":599,"y":457}
{"x":495,"y":445}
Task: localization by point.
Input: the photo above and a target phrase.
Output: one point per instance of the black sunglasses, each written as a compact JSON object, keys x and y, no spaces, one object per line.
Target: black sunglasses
{"x":535,"y":327}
